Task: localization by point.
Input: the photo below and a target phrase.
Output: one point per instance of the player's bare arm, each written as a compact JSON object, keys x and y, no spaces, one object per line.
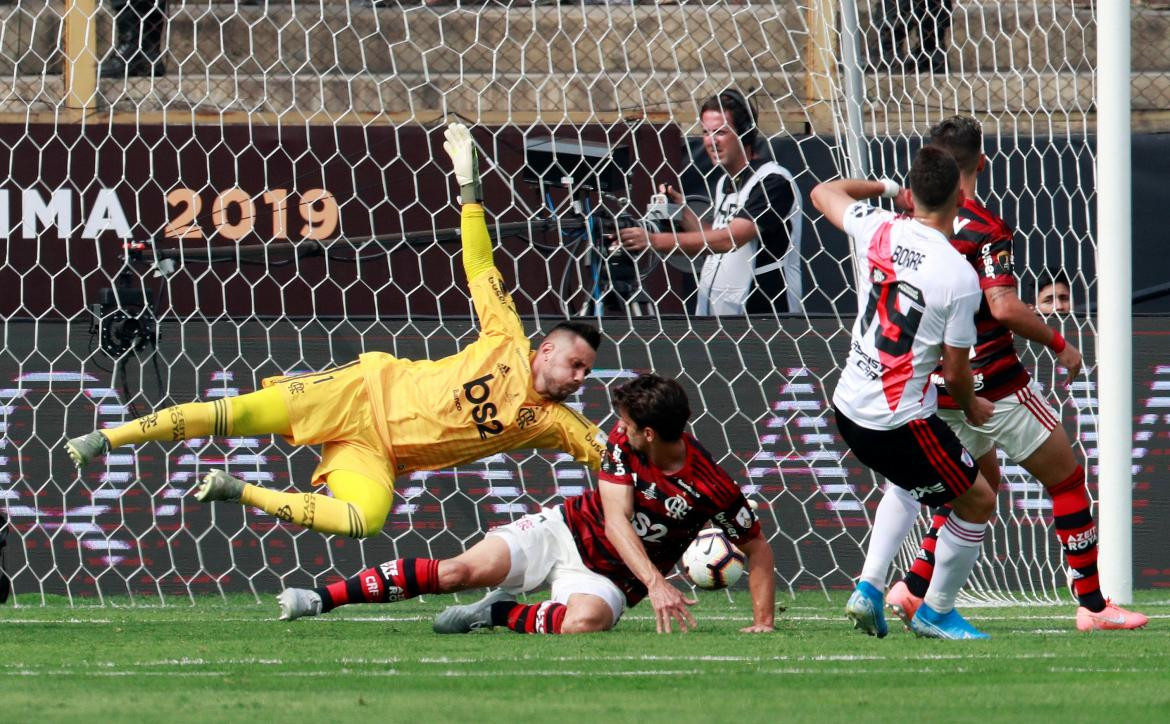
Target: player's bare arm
{"x":761,"y":583}
{"x":833,"y":198}
{"x":956,"y":365}
{"x":669,"y":603}
{"x":718,"y":241}
{"x":1007,"y":307}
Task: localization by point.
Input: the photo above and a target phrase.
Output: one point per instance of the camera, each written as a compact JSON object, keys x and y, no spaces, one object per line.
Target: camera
{"x":124,"y":319}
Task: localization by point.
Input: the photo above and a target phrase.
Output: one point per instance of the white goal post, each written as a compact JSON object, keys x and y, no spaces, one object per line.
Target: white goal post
{"x":271,"y":202}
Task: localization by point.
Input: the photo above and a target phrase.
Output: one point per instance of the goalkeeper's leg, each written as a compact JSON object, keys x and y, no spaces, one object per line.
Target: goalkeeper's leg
{"x":263,"y":412}
{"x":358,"y":508}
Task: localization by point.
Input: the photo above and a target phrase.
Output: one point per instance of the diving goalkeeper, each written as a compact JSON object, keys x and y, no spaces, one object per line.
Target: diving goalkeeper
{"x":379,"y":417}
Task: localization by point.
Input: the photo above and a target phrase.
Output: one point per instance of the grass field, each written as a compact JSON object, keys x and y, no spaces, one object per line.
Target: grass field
{"x":230,"y":660}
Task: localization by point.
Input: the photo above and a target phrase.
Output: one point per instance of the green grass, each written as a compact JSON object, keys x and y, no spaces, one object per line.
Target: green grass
{"x":231,"y":661}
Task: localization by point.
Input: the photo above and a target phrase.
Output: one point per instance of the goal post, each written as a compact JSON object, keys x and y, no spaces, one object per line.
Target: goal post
{"x":277,"y":201}
{"x":1115,"y":290}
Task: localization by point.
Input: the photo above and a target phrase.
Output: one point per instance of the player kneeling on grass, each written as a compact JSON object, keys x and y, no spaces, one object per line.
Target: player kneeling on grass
{"x":600,"y":552}
{"x":379,"y":417}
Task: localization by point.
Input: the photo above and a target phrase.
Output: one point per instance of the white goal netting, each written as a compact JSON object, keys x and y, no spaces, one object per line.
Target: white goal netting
{"x":274,"y":200}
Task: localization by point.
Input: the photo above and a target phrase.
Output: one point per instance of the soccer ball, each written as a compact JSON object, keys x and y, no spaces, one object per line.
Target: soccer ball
{"x":712,"y":561}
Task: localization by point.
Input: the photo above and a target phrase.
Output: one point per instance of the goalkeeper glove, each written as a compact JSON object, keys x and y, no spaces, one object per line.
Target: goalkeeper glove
{"x":461,"y":148}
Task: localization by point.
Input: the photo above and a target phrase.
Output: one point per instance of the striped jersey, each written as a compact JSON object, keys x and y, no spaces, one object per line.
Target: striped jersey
{"x":986,"y":241}
{"x":915,"y":293}
{"x":669,"y":510}
{"x":433,"y":414}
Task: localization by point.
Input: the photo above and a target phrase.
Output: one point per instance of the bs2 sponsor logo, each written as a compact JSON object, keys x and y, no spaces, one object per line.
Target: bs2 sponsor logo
{"x":483,"y":412}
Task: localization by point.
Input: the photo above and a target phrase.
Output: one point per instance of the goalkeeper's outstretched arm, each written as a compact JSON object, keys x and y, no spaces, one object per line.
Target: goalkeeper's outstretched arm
{"x":477,"y":243}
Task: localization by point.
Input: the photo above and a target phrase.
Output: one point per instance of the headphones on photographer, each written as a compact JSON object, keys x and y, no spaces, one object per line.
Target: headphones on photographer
{"x":743,"y":115}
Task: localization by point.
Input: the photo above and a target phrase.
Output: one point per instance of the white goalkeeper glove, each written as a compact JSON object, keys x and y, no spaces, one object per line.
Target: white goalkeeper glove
{"x":465,"y":161}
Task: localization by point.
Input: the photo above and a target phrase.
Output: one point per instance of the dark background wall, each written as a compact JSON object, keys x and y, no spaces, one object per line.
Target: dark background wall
{"x":385,"y":181}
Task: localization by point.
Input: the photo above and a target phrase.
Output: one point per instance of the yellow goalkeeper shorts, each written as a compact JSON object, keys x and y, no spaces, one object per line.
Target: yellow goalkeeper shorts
{"x":331,"y":408}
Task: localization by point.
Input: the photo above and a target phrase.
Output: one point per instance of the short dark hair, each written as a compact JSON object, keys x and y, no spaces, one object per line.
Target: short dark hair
{"x":1048,"y":278}
{"x":657,"y":402}
{"x":743,"y":115}
{"x":934,"y":176}
{"x":584,"y":330}
{"x":962,"y":137}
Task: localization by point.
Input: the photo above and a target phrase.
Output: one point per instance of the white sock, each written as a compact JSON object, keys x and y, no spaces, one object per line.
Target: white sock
{"x":954,"y":557}
{"x":895,"y":516}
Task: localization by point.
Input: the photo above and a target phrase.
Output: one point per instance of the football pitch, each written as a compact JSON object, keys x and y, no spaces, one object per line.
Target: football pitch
{"x":229,"y":660}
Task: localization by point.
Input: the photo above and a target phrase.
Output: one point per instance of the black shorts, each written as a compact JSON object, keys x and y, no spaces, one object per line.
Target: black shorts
{"x":923,"y":457}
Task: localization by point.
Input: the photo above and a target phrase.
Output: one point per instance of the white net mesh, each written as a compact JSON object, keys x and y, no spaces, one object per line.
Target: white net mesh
{"x":279,"y":175}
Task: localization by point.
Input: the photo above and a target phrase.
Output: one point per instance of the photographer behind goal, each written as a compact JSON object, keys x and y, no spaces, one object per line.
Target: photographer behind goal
{"x":750,"y":248}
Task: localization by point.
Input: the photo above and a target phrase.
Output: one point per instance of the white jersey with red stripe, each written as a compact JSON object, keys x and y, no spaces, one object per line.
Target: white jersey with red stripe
{"x":915,"y":293}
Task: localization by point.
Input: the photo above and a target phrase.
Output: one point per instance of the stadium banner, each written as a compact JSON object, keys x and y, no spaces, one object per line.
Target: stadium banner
{"x":314,"y":212}
{"x":129,"y":525}
{"x":75,"y":197}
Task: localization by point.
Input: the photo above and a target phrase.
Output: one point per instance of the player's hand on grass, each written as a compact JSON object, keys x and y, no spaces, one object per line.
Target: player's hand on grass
{"x":1070,"y":358}
{"x":981,"y":411}
{"x":465,"y":162}
{"x":758,"y":628}
{"x":669,"y":603}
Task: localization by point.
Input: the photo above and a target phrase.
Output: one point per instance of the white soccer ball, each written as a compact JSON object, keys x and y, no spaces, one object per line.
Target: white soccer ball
{"x":712,"y":561}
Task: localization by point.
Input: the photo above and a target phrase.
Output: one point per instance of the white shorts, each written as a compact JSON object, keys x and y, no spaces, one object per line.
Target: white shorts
{"x":544,"y":553}
{"x":1021,"y":423}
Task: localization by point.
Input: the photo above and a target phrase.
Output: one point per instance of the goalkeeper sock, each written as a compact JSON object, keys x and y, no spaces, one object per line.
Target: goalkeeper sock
{"x":921,"y":571}
{"x":545,"y":617}
{"x":395,"y":580}
{"x":192,"y":419}
{"x":895,"y":516}
{"x":309,"y":510}
{"x":257,"y":413}
{"x":958,"y":548}
{"x":1077,"y":533}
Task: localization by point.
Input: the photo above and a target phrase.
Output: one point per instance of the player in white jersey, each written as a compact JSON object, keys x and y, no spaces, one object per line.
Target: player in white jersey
{"x":917,"y":299}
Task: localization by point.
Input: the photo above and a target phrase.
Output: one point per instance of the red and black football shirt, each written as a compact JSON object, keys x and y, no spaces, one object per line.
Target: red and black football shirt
{"x":986,"y":241}
{"x":669,"y":510}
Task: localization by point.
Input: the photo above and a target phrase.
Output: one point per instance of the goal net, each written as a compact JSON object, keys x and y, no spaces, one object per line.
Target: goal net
{"x":274,"y":200}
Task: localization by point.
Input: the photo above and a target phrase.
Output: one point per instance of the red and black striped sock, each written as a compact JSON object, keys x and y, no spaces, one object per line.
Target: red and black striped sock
{"x":1077,"y":532}
{"x":395,"y":580}
{"x":918,"y":579}
{"x":545,"y":617}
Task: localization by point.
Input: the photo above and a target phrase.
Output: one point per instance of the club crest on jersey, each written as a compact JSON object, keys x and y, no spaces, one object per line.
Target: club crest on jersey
{"x":525,"y":417}
{"x":677,"y":507}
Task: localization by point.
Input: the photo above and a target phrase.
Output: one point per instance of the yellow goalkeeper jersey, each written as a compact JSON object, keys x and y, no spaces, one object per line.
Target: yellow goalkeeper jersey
{"x":434,"y":414}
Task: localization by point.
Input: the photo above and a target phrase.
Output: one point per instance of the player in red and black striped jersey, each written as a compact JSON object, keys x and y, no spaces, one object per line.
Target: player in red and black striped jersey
{"x":986,"y":241}
{"x":1024,"y":425}
{"x":667,"y":512}
{"x":600,"y":552}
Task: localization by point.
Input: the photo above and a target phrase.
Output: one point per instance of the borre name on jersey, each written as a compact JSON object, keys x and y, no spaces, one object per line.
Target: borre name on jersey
{"x":915,"y":293}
